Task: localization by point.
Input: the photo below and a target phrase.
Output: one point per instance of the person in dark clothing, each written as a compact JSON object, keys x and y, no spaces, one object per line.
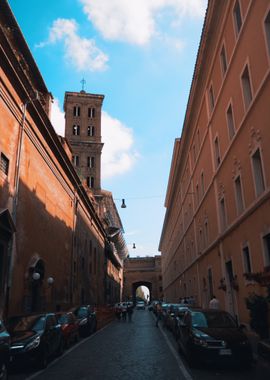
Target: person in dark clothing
{"x":159,"y":313}
{"x":129,"y":312}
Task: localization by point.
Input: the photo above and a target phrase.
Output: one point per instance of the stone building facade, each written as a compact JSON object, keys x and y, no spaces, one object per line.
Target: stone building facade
{"x":216,"y":231}
{"x":83,"y":132}
{"x":142,"y":271}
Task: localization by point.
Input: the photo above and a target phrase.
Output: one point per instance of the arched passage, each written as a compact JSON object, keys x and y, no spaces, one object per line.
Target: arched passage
{"x":136,"y":285}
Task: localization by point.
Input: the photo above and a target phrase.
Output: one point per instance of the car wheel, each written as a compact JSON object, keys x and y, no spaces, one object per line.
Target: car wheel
{"x":60,"y":349}
{"x":76,"y":338}
{"x":191,"y":360}
{"x":4,"y":372}
{"x":43,"y":360}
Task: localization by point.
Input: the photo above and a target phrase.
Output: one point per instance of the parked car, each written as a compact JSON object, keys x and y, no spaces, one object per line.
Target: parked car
{"x":35,"y":338}
{"x":178,"y":318}
{"x":140,"y":305}
{"x":213,"y":336}
{"x":171,"y":315}
{"x":70,"y":327}
{"x":86,"y":318}
{"x":4,"y":351}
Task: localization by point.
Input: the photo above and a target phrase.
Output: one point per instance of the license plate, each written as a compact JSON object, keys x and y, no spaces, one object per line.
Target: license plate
{"x":225,"y":351}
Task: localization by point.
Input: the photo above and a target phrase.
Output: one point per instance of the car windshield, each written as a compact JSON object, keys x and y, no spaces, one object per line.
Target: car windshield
{"x":81,"y":312}
{"x":212,"y":320}
{"x":34,"y":323}
{"x":63,"y":319}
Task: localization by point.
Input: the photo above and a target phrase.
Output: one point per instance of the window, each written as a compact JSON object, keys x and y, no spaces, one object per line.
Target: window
{"x":76,"y":160}
{"x":76,"y":111}
{"x":91,"y":131}
{"x":267,"y":31}
{"x":223,"y":221}
{"x":95,"y":261}
{"x":90,"y":162}
{"x":206,"y":232}
{"x":246,"y":86}
{"x":91,"y":112}
{"x":202,"y":183}
{"x":210,"y":282}
{"x":237,"y":17}
{"x":239,"y":195}
{"x":211,"y":99}
{"x":4,"y":164}
{"x":258,"y":172}
{"x":246,"y":258}
{"x":201,"y":245}
{"x":230,"y":122}
{"x":217,"y":153}
{"x":83,"y":263}
{"x":90,"y":182}
{"x":194,"y":153}
{"x":197,"y":194}
{"x":223,"y":60}
{"x":76,"y":130}
{"x":266,"y":243}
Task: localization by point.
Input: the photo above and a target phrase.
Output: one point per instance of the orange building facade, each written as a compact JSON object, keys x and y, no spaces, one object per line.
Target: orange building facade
{"x":54,"y":250}
{"x":216,"y":231}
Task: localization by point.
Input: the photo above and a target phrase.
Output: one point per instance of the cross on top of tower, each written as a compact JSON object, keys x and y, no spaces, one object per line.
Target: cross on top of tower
{"x":83,"y":81}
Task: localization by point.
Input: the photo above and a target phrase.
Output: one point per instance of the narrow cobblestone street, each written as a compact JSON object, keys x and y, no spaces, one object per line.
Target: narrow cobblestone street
{"x":122,"y":350}
{"x":134,"y":350}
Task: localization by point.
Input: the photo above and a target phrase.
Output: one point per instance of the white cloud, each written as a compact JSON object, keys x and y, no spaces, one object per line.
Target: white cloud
{"x":58,"y":118}
{"x":136,"y":21}
{"x":81,"y":53}
{"x":118,"y":155}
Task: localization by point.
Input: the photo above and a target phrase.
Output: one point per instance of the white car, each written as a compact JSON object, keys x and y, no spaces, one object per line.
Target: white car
{"x":140,"y":305}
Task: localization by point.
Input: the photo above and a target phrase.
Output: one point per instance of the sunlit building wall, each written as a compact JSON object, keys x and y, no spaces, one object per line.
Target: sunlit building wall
{"x":217,"y":222}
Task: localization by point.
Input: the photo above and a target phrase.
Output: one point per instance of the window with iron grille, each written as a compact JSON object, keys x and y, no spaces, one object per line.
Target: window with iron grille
{"x":4,"y":164}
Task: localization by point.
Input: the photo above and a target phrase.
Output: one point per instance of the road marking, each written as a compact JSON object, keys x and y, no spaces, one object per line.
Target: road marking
{"x":66,"y":353}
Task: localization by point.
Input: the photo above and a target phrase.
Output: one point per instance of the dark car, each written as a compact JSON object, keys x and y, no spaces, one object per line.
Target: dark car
{"x":213,"y":336}
{"x":179,"y":313}
{"x":69,"y":326}
{"x":4,"y":351}
{"x":35,"y":338}
{"x":87,"y":320}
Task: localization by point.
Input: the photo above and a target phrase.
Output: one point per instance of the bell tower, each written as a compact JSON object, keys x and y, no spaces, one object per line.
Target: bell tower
{"x":83,"y":132}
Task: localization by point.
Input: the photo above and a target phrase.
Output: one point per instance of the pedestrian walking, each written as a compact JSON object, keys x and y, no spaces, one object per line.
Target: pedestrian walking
{"x":117,"y":310}
{"x":214,"y":303}
{"x":159,"y":313}
{"x":124,"y":311}
{"x":129,"y":312}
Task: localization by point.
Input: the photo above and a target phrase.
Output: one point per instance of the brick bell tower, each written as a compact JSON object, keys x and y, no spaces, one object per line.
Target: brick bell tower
{"x":83,"y":132}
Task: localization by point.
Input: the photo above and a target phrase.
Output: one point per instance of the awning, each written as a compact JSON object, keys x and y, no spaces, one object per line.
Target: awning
{"x":116,"y":236}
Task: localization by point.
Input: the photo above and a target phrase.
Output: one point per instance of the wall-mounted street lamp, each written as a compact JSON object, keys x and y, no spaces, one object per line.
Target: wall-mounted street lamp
{"x":36,"y":276}
{"x":123,"y":205}
{"x":50,"y":280}
{"x":134,"y":246}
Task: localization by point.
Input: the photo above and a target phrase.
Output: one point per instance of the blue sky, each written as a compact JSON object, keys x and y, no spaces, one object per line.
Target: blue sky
{"x":140,"y":55}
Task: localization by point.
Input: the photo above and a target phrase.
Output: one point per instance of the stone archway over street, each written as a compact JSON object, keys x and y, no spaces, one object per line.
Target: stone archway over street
{"x":142,"y":271}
